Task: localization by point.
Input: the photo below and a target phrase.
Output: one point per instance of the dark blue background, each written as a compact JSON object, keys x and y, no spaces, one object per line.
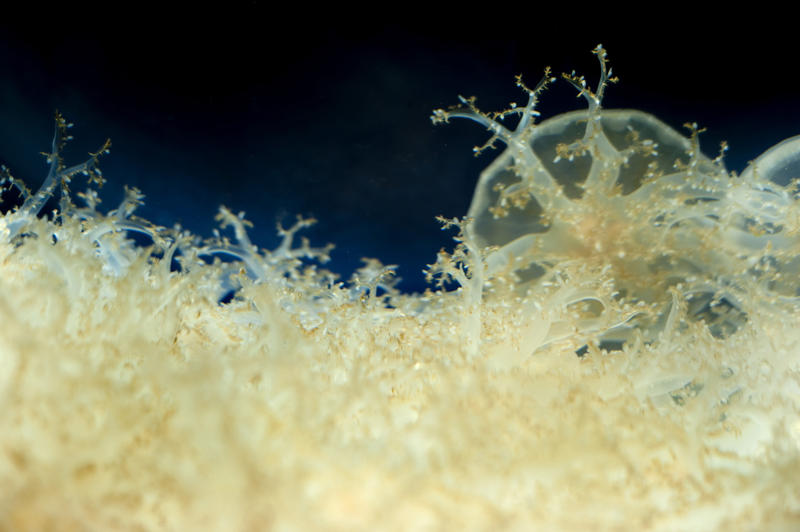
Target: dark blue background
{"x":321,"y":114}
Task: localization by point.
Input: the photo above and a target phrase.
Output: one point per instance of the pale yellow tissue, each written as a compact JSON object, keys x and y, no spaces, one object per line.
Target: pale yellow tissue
{"x":605,"y":364}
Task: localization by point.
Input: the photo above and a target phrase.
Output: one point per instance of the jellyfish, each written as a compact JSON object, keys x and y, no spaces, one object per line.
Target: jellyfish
{"x":621,"y":192}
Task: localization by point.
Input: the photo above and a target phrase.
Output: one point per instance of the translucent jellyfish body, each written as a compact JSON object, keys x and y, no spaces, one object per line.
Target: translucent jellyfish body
{"x":622,"y":196}
{"x":779,"y":164}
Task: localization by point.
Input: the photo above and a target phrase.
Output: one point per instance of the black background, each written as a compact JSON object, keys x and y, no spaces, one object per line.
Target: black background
{"x":326,"y":113}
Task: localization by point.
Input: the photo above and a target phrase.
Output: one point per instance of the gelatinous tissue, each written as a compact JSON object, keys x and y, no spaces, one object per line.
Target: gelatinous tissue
{"x":617,"y":349}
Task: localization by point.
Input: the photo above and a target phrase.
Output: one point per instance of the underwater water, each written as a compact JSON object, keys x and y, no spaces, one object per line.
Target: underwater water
{"x":623,"y":356}
{"x":339,"y":128}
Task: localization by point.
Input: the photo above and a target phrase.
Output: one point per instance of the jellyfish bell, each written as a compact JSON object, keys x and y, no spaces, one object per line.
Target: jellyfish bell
{"x":560,"y":181}
{"x":779,"y":164}
{"x":622,"y":196}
